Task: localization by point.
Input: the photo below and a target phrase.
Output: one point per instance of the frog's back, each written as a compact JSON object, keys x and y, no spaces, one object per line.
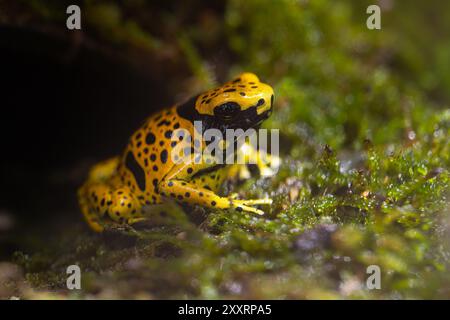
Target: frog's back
{"x":146,"y":159}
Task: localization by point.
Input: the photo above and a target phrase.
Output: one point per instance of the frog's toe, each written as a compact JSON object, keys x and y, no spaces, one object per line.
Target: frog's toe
{"x":233,"y":196}
{"x":246,"y":205}
{"x":242,"y":207}
{"x":254,"y":202}
{"x":275,"y":161}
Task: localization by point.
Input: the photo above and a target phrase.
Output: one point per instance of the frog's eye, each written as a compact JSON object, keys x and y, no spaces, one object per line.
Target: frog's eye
{"x":227,"y":111}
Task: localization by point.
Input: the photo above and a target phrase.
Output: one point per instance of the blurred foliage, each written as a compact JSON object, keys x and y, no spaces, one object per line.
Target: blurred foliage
{"x":365,"y":126}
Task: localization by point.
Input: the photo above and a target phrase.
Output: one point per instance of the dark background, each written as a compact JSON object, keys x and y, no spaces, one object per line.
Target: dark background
{"x":61,"y":112}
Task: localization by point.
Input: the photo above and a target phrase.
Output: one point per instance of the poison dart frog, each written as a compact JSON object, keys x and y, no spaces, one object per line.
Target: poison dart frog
{"x":119,"y":190}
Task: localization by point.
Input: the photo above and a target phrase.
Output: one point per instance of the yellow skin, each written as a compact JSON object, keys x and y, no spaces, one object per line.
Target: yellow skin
{"x":120,"y":189}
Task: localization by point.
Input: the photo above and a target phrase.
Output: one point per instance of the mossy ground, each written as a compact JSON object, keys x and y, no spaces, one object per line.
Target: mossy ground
{"x":364,"y":125}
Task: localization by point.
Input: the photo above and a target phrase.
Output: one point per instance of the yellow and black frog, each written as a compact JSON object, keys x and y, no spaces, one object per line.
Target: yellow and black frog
{"x":149,"y":171}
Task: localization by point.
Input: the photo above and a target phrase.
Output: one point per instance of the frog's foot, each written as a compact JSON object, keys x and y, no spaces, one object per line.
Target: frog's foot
{"x":233,"y":196}
{"x":102,"y":204}
{"x":269,"y":166}
{"x":254,"y":202}
{"x":104,"y":170}
{"x":266,"y":171}
{"x":123,"y":205}
{"x":238,"y":172}
{"x":243,"y":173}
{"x":246,"y":205}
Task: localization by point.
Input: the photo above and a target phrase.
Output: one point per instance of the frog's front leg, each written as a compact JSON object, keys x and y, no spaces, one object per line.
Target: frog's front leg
{"x":177,"y":184}
{"x":104,"y":199}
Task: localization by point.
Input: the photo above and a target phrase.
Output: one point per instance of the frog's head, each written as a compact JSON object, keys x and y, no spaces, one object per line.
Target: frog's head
{"x":242,"y":103}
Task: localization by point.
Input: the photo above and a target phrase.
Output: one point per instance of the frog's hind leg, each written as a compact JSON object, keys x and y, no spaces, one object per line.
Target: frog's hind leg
{"x":267,"y":164}
{"x":103,"y":200}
